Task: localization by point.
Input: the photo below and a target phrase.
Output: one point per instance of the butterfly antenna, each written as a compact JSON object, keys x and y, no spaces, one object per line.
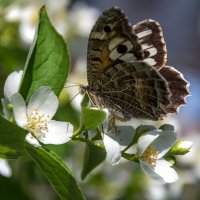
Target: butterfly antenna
{"x":74,"y":97}
{"x":67,"y":126}
{"x":102,"y":129}
{"x":91,"y":101}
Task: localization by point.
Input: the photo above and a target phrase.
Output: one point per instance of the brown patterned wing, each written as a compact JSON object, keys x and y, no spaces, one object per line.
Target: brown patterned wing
{"x":133,"y":89}
{"x":111,"y":41}
{"x":152,"y":41}
{"x":178,"y":86}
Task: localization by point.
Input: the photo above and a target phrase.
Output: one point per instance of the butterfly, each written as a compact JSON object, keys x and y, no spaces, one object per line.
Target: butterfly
{"x":126,"y":69}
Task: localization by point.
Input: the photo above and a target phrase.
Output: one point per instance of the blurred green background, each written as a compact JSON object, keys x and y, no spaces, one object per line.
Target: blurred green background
{"x":180,"y":20}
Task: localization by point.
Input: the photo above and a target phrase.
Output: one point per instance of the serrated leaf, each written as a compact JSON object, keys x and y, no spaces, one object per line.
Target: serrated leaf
{"x":58,"y":174}
{"x":47,"y":63}
{"x":92,"y":117}
{"x":93,"y":157}
{"x":11,"y":139}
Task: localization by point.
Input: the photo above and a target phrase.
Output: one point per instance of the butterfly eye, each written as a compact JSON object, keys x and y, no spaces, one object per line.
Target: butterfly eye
{"x":121,"y":48}
{"x":107,"y":29}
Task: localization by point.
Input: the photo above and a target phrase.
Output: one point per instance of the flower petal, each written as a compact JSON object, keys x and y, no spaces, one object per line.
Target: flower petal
{"x":112,"y":148}
{"x":123,"y":136}
{"x":163,"y":173}
{"x":43,"y":100}
{"x":149,"y":171}
{"x":145,"y":140}
{"x":164,"y":142}
{"x":164,"y":170}
{"x":30,"y":139}
{"x":5,"y":169}
{"x":163,"y":162}
{"x":58,"y":133}
{"x":12,"y":84}
{"x":19,"y":110}
{"x":7,"y":113}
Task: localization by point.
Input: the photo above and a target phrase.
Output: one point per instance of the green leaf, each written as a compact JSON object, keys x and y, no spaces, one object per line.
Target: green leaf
{"x":92,"y":117}
{"x":47,"y":63}
{"x":11,"y":139}
{"x":11,"y":188}
{"x":93,"y":157}
{"x":170,"y":159}
{"x":56,"y":172}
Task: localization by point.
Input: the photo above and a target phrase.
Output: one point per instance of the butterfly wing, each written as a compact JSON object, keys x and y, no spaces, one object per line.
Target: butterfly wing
{"x":118,"y":81}
{"x":133,"y":89}
{"x":152,"y":41}
{"x":150,"y":35}
{"x":178,"y":86}
{"x":111,"y":41}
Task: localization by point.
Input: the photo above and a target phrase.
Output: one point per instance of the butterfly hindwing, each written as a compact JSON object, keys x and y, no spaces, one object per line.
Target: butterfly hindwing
{"x":178,"y":86}
{"x":133,"y":89}
{"x":150,"y":35}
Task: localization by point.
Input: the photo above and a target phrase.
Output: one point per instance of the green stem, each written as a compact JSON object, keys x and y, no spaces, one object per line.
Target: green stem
{"x":81,"y":139}
{"x":131,"y":157}
{"x":78,"y":131}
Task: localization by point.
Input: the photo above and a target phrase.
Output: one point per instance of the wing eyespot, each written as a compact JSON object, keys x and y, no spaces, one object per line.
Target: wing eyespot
{"x":107,"y":29}
{"x":122,"y":48}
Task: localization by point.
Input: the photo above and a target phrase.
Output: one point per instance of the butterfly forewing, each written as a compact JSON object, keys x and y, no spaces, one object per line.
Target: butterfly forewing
{"x":152,"y":41}
{"x":111,"y":41}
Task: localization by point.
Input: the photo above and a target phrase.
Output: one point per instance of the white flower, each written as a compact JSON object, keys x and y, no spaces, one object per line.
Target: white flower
{"x":151,"y":148}
{"x":11,"y":87}
{"x":115,"y":141}
{"x":36,"y":118}
{"x":5,"y":169}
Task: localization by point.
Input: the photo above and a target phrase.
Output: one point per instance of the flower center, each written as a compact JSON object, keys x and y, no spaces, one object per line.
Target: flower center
{"x":150,"y":156}
{"x":37,"y":123}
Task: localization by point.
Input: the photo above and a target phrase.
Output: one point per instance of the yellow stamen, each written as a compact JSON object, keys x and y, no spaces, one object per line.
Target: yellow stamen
{"x":37,"y":123}
{"x":150,"y":156}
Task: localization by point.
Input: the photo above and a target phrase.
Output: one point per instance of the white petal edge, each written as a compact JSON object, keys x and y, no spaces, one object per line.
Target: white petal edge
{"x":31,"y":140}
{"x":19,"y":110}
{"x":113,"y":149}
{"x":58,"y":133}
{"x":145,"y":140}
{"x":7,"y":113}
{"x":185,"y":145}
{"x":164,"y":142}
{"x":43,"y":100}
{"x":168,"y":174}
{"x":163,"y":173}
{"x":149,"y":171}
{"x":124,"y":135}
{"x":12,"y":84}
{"x":5,"y":169}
